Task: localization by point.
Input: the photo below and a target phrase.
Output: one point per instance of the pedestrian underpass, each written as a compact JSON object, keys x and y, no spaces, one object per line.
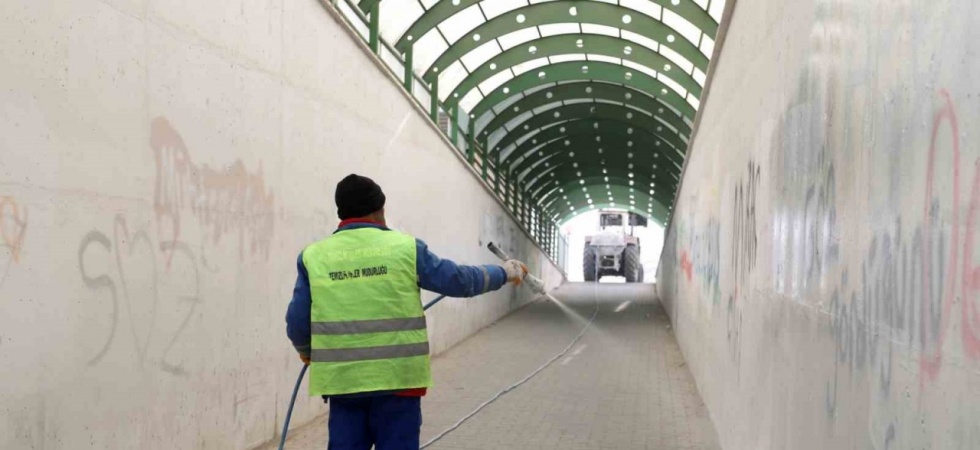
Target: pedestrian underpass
{"x":163,"y":162}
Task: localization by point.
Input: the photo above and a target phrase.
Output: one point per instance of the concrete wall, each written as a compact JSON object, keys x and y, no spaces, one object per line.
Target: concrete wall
{"x":162,"y":163}
{"x":821,"y":271}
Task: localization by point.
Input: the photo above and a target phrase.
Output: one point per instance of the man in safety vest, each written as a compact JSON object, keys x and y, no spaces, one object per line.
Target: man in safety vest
{"x":356,"y":318}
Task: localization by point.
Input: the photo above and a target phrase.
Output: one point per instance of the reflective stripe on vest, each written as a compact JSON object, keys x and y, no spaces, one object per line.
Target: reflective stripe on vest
{"x":368,"y":326}
{"x":367,"y":322}
{"x":369,"y":353}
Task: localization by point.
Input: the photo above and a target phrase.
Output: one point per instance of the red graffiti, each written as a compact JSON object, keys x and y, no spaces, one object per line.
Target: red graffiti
{"x":970,"y":327}
{"x":13,"y":226}
{"x":224,"y":201}
{"x":969,"y":283}
{"x":971,"y":275}
{"x":686,"y":265}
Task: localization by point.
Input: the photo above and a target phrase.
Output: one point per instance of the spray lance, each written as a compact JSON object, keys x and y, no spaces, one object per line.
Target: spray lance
{"x":533,"y":282}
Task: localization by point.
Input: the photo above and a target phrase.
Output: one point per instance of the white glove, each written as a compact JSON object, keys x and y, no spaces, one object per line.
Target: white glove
{"x":516,"y":271}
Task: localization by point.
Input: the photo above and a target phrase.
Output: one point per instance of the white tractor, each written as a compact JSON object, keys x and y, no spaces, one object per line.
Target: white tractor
{"x":613,"y":252}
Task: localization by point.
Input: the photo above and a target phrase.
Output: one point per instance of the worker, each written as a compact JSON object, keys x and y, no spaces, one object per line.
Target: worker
{"x":356,"y":318}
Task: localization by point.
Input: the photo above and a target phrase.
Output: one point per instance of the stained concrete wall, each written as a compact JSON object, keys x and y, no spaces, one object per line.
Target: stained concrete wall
{"x":162,"y":163}
{"x":821,"y":271}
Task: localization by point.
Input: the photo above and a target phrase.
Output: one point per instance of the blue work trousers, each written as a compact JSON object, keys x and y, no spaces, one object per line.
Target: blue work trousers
{"x":388,"y":422}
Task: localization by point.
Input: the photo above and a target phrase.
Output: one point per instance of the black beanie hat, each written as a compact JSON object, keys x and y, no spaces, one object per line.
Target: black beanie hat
{"x":358,"y":196}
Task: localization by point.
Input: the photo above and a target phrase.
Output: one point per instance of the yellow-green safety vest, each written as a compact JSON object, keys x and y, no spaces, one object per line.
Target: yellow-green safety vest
{"x":368,"y":327}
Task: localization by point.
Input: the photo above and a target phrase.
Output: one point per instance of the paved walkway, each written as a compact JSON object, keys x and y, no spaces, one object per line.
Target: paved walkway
{"x":624,"y":385}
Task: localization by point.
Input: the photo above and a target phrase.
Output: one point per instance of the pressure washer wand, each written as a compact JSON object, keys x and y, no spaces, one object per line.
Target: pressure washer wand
{"x":533,"y":282}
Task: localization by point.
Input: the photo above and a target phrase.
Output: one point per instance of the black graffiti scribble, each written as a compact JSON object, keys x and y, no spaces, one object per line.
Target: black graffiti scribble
{"x":744,"y":234}
{"x":194,"y":299}
{"x":122,"y":237}
{"x":124,"y":245}
{"x":103,"y":281}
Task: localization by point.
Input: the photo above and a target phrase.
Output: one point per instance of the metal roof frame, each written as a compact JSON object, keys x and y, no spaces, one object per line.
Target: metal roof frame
{"x":548,"y":124}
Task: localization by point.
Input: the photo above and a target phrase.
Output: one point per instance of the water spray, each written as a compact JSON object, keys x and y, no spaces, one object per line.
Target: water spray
{"x":532,"y":282}
{"x":537,"y":286}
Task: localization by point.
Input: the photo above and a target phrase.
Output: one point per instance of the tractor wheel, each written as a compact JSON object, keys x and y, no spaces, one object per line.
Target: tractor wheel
{"x":631,"y":264}
{"x":588,"y":264}
{"x":642,"y":274}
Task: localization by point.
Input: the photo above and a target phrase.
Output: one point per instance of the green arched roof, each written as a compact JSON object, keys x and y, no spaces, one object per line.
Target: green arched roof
{"x":582,"y":104}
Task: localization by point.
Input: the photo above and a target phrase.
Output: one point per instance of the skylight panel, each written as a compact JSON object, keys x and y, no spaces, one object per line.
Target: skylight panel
{"x":686,"y":29}
{"x":396,"y":18}
{"x":699,"y":76}
{"x":512,"y":100}
{"x":644,"y":6}
{"x":717,"y":9}
{"x":600,"y":29}
{"x":672,"y":84}
{"x":498,"y":7}
{"x":605,"y":58}
{"x":515,"y":123}
{"x":679,"y":61}
{"x":694,"y":102}
{"x":640,"y":67}
{"x":450,"y":78}
{"x":543,"y":108}
{"x":461,"y":23}
{"x":492,"y":83}
{"x":427,"y":50}
{"x":708,"y":46}
{"x":532,"y":65}
{"x":642,"y":40}
{"x":480,"y":55}
{"x":471,"y":100}
{"x":559,"y":28}
{"x":570,"y":57}
{"x":515,"y":38}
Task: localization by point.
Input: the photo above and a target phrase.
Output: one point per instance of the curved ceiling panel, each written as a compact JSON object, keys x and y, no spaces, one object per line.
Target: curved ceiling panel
{"x":594,"y":113}
{"x":573,"y":44}
{"x":572,"y":71}
{"x":581,"y":104}
{"x":559,"y":94}
{"x":581,"y":134}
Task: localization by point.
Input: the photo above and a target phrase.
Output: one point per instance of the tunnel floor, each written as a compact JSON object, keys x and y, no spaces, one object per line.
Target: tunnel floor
{"x":624,"y":385}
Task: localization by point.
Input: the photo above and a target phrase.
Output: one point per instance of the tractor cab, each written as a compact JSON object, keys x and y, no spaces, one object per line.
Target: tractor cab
{"x":614,"y":251}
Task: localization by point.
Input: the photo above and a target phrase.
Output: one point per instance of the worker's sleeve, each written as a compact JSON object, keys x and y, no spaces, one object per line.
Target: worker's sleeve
{"x":446,"y":277}
{"x":298,"y":313}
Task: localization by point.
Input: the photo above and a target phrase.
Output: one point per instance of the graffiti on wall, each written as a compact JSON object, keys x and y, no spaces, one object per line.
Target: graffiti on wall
{"x":13,"y":226}
{"x":960,"y":282}
{"x":912,"y":286}
{"x":820,"y":235}
{"x":700,"y":256}
{"x":706,"y":257}
{"x":803,"y":184}
{"x":13,"y":229}
{"x":733,"y":324}
{"x":687,"y":266}
{"x":153,"y":286}
{"x":231,"y":200}
{"x":149,"y":284}
{"x":745,"y":237}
